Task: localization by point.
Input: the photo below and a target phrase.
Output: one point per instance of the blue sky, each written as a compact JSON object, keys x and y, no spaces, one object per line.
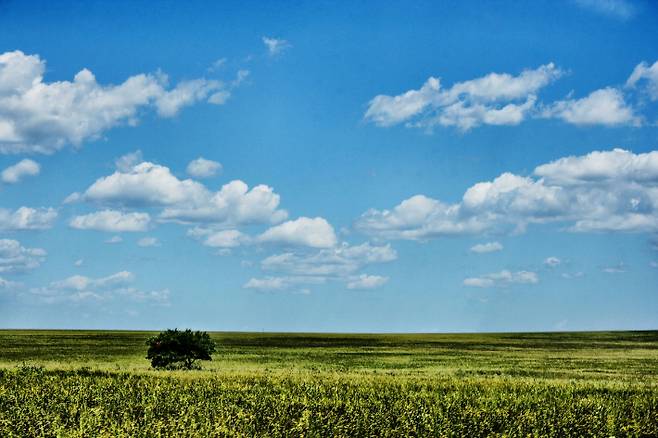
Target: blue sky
{"x":291,"y":166}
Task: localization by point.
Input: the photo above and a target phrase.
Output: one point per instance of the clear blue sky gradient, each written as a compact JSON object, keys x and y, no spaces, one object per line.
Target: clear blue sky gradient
{"x":297,"y":124}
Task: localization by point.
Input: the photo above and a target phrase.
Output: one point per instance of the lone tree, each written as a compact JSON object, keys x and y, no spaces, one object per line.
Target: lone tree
{"x":174,"y":349}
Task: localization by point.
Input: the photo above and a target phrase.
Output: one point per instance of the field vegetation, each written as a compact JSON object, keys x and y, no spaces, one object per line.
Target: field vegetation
{"x":98,"y":383}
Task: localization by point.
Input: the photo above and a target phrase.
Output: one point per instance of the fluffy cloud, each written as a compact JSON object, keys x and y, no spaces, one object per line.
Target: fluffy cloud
{"x":26,"y":218}
{"x":15,"y":173}
{"x":144,"y":184}
{"x":602,"y":107}
{"x":111,"y":221}
{"x":647,"y":75}
{"x":79,"y":288}
{"x":42,"y":117}
{"x":276,"y":46}
{"x":202,"y":168}
{"x":603,"y":191}
{"x":16,"y":258}
{"x":418,"y":218}
{"x":483,"y":248}
{"x":149,"y":184}
{"x":304,"y":231}
{"x":616,"y":167}
{"x":502,"y":278}
{"x":364,"y":281}
{"x":494,"y":99}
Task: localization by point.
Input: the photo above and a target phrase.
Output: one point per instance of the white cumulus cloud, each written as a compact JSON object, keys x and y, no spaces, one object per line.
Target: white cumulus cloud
{"x":606,"y":106}
{"x":112,"y":221}
{"x":26,"y":218}
{"x":43,"y":117}
{"x":613,"y":191}
{"x":494,"y":99}
{"x":304,"y":231}
{"x":188,"y":201}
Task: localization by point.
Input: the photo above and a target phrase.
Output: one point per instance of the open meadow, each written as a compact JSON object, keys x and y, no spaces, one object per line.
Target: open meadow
{"x":98,"y":383}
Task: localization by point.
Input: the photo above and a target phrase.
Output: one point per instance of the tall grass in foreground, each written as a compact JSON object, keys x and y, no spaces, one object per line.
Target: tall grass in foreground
{"x":98,"y":383}
{"x":86,"y":403}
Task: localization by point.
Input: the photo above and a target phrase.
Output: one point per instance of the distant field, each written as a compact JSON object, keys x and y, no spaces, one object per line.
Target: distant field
{"x":91,"y":383}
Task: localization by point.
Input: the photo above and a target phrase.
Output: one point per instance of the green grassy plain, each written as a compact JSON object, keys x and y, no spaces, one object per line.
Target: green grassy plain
{"x":98,"y":383}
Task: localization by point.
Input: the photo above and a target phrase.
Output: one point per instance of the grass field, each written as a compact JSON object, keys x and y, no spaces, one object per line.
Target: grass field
{"x":93,"y":383}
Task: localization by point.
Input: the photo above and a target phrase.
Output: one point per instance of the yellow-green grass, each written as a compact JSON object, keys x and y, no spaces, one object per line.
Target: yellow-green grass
{"x":94,"y":383}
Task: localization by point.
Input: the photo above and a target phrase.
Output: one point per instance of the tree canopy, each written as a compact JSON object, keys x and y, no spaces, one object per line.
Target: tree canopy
{"x":176,"y":349}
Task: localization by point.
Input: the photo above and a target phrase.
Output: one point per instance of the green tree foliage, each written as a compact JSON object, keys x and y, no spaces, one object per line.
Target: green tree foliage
{"x":174,"y":349}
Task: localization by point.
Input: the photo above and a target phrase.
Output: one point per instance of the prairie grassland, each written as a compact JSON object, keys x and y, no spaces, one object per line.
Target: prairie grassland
{"x":97,"y":383}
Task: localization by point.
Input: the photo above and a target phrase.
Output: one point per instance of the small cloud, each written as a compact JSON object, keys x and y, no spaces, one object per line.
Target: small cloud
{"x":27,"y":218}
{"x":304,"y":231}
{"x":14,"y":257}
{"x":364,"y":281}
{"x":78,"y":288}
{"x":17,"y":172}
{"x":240,"y":77}
{"x":126,"y":162}
{"x":146,"y":242}
{"x":217,"y":65}
{"x":483,"y":248}
{"x":267,"y":284}
{"x":72,"y":198}
{"x":203,"y":168}
{"x":78,"y":263}
{"x":276,"y":46}
{"x":111,"y":220}
{"x":616,"y":269}
{"x":502,"y":278}
{"x":219,"y":98}
{"x":552,"y":262}
{"x":114,"y":239}
{"x":573,"y":275}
